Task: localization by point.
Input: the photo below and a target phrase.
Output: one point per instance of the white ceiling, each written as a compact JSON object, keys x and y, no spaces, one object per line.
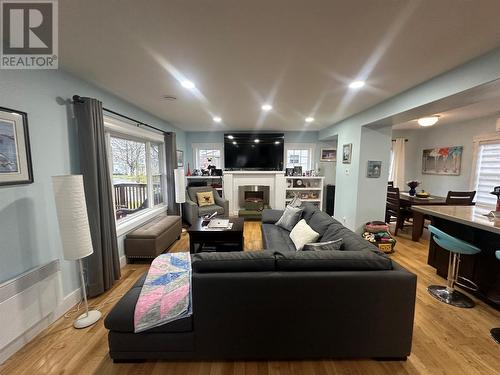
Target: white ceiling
{"x":457,"y":115}
{"x":300,"y":55}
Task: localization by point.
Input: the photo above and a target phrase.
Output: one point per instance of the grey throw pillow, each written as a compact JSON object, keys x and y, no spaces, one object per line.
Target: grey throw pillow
{"x":296,"y":202}
{"x":290,"y":217}
{"x":328,"y":245}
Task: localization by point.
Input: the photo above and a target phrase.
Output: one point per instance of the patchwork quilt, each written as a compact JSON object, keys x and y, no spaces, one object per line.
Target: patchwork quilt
{"x":166,"y":293}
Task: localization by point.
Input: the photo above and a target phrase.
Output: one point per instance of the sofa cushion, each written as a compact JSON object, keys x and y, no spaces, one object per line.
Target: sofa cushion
{"x":302,"y":234}
{"x":271,"y":216}
{"x":320,"y":221}
{"x":327,"y":245}
{"x":205,"y":198}
{"x":240,"y":261}
{"x":363,"y":260}
{"x":290,"y":217}
{"x":121,"y":317}
{"x":276,"y":238}
{"x":308,"y":209}
{"x":205,"y":210}
{"x":333,"y":232}
{"x":155,"y":227}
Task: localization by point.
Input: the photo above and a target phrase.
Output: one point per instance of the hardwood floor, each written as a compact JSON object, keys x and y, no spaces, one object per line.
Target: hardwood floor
{"x":447,"y":340}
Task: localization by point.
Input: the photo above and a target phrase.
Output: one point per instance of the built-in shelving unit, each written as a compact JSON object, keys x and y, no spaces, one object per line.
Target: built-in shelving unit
{"x":210,"y":180}
{"x":308,"y":189}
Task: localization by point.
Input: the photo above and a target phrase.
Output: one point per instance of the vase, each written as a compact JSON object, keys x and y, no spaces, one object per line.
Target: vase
{"x":188,"y":171}
{"x":412,"y":192}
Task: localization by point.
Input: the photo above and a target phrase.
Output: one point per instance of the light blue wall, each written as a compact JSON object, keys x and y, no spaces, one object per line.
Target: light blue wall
{"x":474,"y":73}
{"x":455,"y":134}
{"x":327,"y":168}
{"x":29,"y":234}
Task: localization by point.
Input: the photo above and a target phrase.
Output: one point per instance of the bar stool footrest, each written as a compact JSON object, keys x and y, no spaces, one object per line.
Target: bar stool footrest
{"x":454,"y":298}
{"x":495,"y":333}
{"x":472,"y":285}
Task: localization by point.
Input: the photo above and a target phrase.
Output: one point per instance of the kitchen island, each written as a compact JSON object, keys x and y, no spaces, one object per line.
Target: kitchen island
{"x":468,"y":223}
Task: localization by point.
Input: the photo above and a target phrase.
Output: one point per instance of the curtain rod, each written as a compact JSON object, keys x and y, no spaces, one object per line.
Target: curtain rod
{"x":78,"y":99}
{"x":406,"y":140}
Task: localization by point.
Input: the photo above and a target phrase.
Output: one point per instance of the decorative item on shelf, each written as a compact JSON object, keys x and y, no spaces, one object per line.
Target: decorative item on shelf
{"x":180,"y":158}
{"x":289,"y":172}
{"x":217,"y":172}
{"x":289,"y":183}
{"x":313,"y":195}
{"x":298,"y":183}
{"x":346,"y":153}
{"x":197,"y":172}
{"x":315,"y":183}
{"x":15,"y":155}
{"x":304,"y":196}
{"x":413,"y":184}
{"x":188,"y":173}
{"x":297,"y":171}
{"x":423,"y":194}
{"x":328,"y":154}
{"x":442,"y":160}
{"x":373,"y":169}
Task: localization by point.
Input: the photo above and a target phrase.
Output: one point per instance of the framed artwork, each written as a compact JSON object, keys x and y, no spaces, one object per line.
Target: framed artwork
{"x":328,"y":154}
{"x":15,"y":154}
{"x":373,"y":169}
{"x":180,"y":158}
{"x":346,"y":153}
{"x":444,"y":161}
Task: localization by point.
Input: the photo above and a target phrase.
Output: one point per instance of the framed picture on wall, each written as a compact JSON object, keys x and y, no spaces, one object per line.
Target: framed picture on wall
{"x":180,"y":158}
{"x":15,"y":154}
{"x":373,"y":169}
{"x":346,"y":153}
{"x":444,"y":161}
{"x":328,"y":154}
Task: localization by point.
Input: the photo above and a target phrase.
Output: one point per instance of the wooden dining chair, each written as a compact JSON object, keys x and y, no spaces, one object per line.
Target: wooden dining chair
{"x":460,"y":198}
{"x":390,"y":183}
{"x":394,"y":209}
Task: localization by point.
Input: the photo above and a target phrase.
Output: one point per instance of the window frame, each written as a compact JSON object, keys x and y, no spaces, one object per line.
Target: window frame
{"x":120,"y":129}
{"x":310,"y":147}
{"x":477,"y":142}
{"x":207,"y":146}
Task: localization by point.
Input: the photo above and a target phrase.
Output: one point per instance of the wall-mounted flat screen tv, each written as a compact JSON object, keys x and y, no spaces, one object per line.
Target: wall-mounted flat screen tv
{"x":254,"y":151}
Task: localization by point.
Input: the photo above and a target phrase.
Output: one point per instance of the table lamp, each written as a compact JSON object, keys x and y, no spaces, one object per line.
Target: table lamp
{"x":75,"y":232}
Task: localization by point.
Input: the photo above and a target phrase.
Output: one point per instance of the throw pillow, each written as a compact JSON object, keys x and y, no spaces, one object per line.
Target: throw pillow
{"x":205,"y":198}
{"x":296,"y":202}
{"x":327,"y":245}
{"x":302,"y":234}
{"x":290,"y":217}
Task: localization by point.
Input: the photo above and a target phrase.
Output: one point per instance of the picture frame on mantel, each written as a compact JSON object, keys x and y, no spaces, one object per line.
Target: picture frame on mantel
{"x":347,"y":153}
{"x":15,"y":153}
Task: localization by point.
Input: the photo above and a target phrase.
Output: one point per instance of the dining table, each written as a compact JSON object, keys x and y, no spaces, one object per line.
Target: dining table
{"x":406,"y":200}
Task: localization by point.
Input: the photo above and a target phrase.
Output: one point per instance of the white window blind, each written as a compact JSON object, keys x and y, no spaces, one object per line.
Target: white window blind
{"x":487,"y":172}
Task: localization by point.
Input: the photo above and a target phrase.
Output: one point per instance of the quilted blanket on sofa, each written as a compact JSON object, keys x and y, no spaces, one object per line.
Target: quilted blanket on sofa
{"x":166,"y":293}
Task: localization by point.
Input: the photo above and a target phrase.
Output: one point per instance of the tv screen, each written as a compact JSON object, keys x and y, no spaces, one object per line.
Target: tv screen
{"x":254,"y":151}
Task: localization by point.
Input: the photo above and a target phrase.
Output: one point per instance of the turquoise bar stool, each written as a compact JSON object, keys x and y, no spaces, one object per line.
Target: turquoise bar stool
{"x":456,"y":247}
{"x":495,"y":332}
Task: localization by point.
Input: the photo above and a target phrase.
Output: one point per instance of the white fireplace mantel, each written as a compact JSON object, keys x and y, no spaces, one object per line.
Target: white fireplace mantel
{"x":275,"y":180}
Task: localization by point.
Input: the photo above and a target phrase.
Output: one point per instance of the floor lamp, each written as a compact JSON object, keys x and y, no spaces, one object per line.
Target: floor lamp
{"x":180,"y":188}
{"x":75,"y":232}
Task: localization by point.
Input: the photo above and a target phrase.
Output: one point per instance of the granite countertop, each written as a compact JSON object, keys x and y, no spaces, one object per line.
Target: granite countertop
{"x":473,"y":216}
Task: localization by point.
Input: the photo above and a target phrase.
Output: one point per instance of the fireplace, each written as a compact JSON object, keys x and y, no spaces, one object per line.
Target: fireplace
{"x":251,"y":196}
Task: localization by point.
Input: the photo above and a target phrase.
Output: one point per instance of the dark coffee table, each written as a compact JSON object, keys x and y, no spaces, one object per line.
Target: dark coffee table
{"x":202,"y":238}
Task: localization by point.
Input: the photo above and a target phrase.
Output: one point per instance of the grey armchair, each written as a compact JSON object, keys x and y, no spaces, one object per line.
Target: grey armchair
{"x":191,"y":211}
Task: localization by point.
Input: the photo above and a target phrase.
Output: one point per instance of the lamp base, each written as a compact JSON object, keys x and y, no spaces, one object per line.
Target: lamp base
{"x":86,"y":320}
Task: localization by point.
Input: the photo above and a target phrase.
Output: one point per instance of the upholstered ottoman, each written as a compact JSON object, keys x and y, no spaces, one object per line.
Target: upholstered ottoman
{"x":153,"y":238}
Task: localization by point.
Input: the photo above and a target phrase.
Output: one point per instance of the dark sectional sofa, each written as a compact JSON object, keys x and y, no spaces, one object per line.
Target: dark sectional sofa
{"x":282,"y":304}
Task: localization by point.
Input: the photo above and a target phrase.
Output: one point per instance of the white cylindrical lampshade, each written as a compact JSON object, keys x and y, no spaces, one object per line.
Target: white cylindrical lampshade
{"x":180,"y":185}
{"x":72,"y":216}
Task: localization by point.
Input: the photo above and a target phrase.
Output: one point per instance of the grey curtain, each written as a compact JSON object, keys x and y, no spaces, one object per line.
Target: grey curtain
{"x":103,"y":266}
{"x":171,"y":164}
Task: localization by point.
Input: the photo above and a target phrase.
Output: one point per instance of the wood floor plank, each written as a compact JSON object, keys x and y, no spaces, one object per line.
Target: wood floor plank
{"x":446,"y":340}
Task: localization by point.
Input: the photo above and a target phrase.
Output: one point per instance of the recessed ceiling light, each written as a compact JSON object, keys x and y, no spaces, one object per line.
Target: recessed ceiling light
{"x":356,"y":84}
{"x":256,"y":140}
{"x":230,"y":136}
{"x":309,"y":119}
{"x":267,"y":107}
{"x":188,"y":84}
{"x":276,"y":142}
{"x":428,"y":121}
{"x":234,"y":143}
{"x":217,"y":119}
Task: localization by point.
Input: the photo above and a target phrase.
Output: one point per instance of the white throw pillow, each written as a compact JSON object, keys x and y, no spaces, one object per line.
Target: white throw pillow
{"x":302,"y":234}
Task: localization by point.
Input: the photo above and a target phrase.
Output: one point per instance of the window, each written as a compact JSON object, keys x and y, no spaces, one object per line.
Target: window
{"x":299,"y":155}
{"x":136,"y":158}
{"x":208,"y":154}
{"x":487,"y":174}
